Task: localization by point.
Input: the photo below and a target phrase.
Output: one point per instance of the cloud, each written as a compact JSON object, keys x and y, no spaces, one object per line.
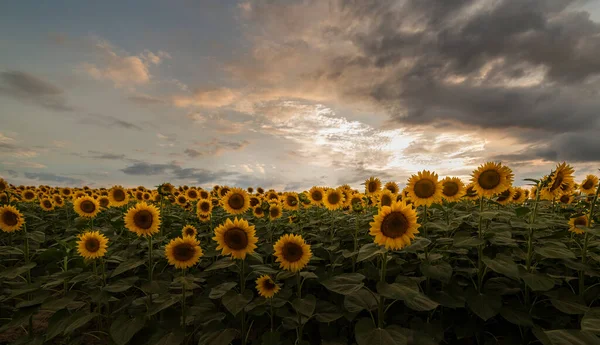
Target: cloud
{"x":121,"y":68}
{"x":12,"y":173}
{"x":109,"y":122}
{"x":49,"y":177}
{"x":142,"y":99}
{"x":28,"y":88}
{"x":216,"y":148}
{"x":206,"y":98}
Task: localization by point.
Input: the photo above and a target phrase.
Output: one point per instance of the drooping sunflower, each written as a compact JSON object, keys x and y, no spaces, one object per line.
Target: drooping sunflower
{"x":394,"y":226}
{"x":183,"y":252}
{"x":189,"y":230}
{"x":392,"y":187}
{"x":236,"y":201}
{"x":566,"y":198}
{"x":452,"y":189}
{"x":266,"y":286}
{"x":143,"y":219}
{"x":561,"y":180}
{"x":315,"y":194}
{"x":258,"y":211}
{"x":519,"y":195}
{"x":3,"y":185}
{"x":589,"y":184}
{"x":10,"y":219}
{"x":292,"y":253}
{"x":46,"y":204}
{"x":575,"y":223}
{"x":386,"y":198}
{"x":290,"y":201}
{"x":424,"y":188}
{"x":92,"y":245}
{"x":260,"y":190}
{"x":491,"y":178}
{"x":333,"y":199}
{"x":28,"y":195}
{"x":86,"y":207}
{"x":104,"y":201}
{"x":372,"y":185}
{"x":58,"y":200}
{"x":118,"y":196}
{"x":505,"y":197}
{"x":223,"y":191}
{"x":204,"y":207}
{"x":236,"y":237}
{"x":274,"y":211}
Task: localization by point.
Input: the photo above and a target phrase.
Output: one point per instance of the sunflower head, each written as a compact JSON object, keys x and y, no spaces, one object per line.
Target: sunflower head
{"x":275,"y":211}
{"x":266,"y":286}
{"x":236,"y":201}
{"x":3,"y":185}
{"x":204,"y":207}
{"x":452,"y":189}
{"x":204,"y":217}
{"x":392,"y":187}
{"x":223,"y":191}
{"x":58,"y":200}
{"x":104,"y":201}
{"x":561,"y":180}
{"x":181,"y":200}
{"x":505,"y":197}
{"x":192,"y":194}
{"x":46,"y":204}
{"x":258,"y":211}
{"x":334,"y":199}
{"x":357,"y":202}
{"x":118,"y":196}
{"x":291,"y":201}
{"x":519,"y":195}
{"x":260,"y":190}
{"x":589,"y":184}
{"x":386,"y":198}
{"x":491,"y":178}
{"x":566,"y":198}
{"x":10,"y":219}
{"x":292,"y":252}
{"x":189,"y":230}
{"x":576,"y":223}
{"x":394,"y":226}
{"x":250,"y":190}
{"x":372,"y":185}
{"x":316,"y":194}
{"x":183,"y":252}
{"x":92,"y":245}
{"x":236,"y":237}
{"x":86,"y":207}
{"x":143,"y":219}
{"x":424,"y":188}
{"x":28,"y":195}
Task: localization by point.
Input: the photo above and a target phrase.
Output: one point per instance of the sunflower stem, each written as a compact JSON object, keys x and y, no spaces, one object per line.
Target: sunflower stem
{"x":300,"y":325}
{"x":586,"y":238}
{"x":242,"y":289}
{"x":480,"y":248}
{"x":355,"y":244}
{"x":424,"y":225}
{"x":65,"y":268}
{"x":530,"y":240}
{"x":150,"y":265}
{"x":183,"y":288}
{"x":271,"y":312}
{"x":381,"y":298}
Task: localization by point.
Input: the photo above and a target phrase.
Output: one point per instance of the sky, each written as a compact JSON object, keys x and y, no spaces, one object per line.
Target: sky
{"x":290,"y":94}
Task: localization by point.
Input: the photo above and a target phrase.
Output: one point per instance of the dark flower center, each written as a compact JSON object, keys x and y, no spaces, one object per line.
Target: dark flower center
{"x":517,"y":195}
{"x":274,"y":212}
{"x":292,"y":252}
{"x":184,"y":252}
{"x":334,"y":198}
{"x":103,"y":202}
{"x":580,"y":221}
{"x":504,"y":195}
{"x":424,"y":189}
{"x":87,"y":206}
{"x":118,"y":195}
{"x":10,"y":218}
{"x":192,"y":194}
{"x":588,"y":184}
{"x":372,"y":187}
{"x":236,"y":201}
{"x":92,"y":245}
{"x":143,"y":219}
{"x":564,"y":199}
{"x":205,"y":206}
{"x":291,"y":200}
{"x":558,"y":180}
{"x":450,"y":189}
{"x":489,"y":179}
{"x":394,"y":225}
{"x":29,"y":195}
{"x":47,"y":203}
{"x":317,"y":195}
{"x":386,"y":200}
{"x":268,"y":285}
{"x":236,"y":238}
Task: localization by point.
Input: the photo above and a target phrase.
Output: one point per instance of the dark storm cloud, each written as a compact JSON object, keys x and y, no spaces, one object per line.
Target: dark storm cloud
{"x":49,"y":177}
{"x":31,"y":89}
{"x":200,"y":176}
{"x":215,"y":148}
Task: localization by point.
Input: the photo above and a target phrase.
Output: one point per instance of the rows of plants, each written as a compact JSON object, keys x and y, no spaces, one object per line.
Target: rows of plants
{"x":439,"y":262}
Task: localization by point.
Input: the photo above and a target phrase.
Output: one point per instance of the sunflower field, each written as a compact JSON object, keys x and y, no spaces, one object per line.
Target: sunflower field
{"x":441,"y":261}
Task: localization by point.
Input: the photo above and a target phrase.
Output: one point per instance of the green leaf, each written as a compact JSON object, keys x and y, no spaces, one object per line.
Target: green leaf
{"x":121,"y":285}
{"x":591,"y":321}
{"x":441,"y":271}
{"x":14,"y":272}
{"x":271,"y":338}
{"x":484,"y":306}
{"x":305,"y":306}
{"x":36,"y":236}
{"x":555,"y":252}
{"x":503,"y":264}
{"x":420,"y":243}
{"x":420,"y":302}
{"x":327,"y":312}
{"x":466,"y":240}
{"x":57,"y":304}
{"x":235,"y":302}
{"x":413,"y":299}
{"x":522,"y":211}
{"x":158,"y":306}
{"x":367,"y":334}
{"x":344,"y":284}
{"x":221,"y":289}
{"x":221,"y":337}
{"x":571,"y":337}
{"x":308,"y":275}
{"x":220,"y":264}
{"x":488,"y":215}
{"x":124,"y":328}
{"x":537,"y":281}
{"x":171,"y":339}
{"x":368,"y":251}
{"x":569,"y":305}
{"x":79,"y":322}
{"x":127,"y":265}
{"x":516,"y":316}
{"x":360,"y":300}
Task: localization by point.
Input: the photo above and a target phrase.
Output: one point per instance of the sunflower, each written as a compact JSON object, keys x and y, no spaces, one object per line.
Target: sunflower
{"x":250,"y":190}
{"x":166,"y":189}
{"x":118,"y":196}
{"x":561,"y":180}
{"x":204,"y":217}
{"x":386,"y":198}
{"x":181,"y":200}
{"x":47,"y":204}
{"x":58,"y":200}
{"x":204,"y":207}
{"x":236,"y":201}
{"x":424,"y":188}
{"x":223,"y":191}
{"x":372,"y":185}
{"x":505,"y":197}
{"x":79,"y":194}
{"x":589,"y":184}
{"x":272,"y":195}
{"x":147,"y":196}
{"x":3,"y":185}
{"x":292,"y":252}
{"x":28,"y":195}
{"x":315,"y":194}
{"x":189,"y":230}
{"x":290,"y":201}
{"x":92,"y":245}
{"x":104,"y":201}
{"x":491,"y":178}
{"x":266,"y":286}
{"x":10,"y":219}
{"x":192,"y":194}
{"x":203,"y":194}
{"x":333,"y":199}
{"x":143,"y":219}
{"x":254,"y":200}
{"x":394,"y":226}
{"x":452,"y":189}
{"x":258,"y":211}
{"x":392,"y":187}
{"x":236,"y":237}
{"x":576,"y":222}
{"x":519,"y":195}
{"x":275,"y":211}
{"x":183,"y":252}
{"x":259,"y":190}
{"x":86,"y":207}
{"x":566,"y":198}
